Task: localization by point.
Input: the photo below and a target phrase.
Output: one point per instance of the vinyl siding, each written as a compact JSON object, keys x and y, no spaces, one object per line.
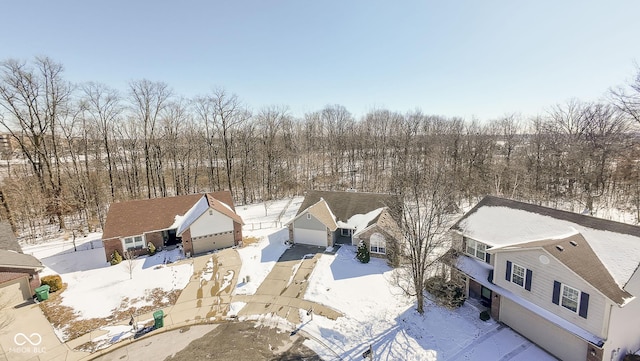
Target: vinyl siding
{"x":542,"y":287}
{"x":208,"y":224}
{"x":313,"y":223}
{"x":622,"y":333}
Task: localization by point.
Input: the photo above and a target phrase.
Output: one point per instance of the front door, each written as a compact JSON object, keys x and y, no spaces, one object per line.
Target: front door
{"x":485,"y":296}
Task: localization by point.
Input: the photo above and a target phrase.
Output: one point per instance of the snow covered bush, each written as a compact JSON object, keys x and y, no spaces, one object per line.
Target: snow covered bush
{"x":363,"y":252}
{"x":445,"y":292}
{"x":53,"y":281}
{"x":116,"y":258}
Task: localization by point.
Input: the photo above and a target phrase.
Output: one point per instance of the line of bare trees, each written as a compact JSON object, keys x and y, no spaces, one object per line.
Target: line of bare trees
{"x":76,"y":148}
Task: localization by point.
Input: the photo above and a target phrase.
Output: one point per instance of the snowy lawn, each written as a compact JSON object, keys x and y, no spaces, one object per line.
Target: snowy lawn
{"x":97,"y":293}
{"x":259,"y":258}
{"x":377,"y":313}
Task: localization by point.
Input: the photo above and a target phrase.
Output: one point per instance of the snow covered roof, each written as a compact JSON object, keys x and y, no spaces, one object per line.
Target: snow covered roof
{"x":182,"y":223}
{"x":359,"y":222}
{"x":575,"y":253}
{"x":502,"y":223}
{"x":132,"y":218}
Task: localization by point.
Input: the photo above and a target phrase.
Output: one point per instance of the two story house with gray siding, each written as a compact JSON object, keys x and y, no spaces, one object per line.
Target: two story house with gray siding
{"x":566,"y":281}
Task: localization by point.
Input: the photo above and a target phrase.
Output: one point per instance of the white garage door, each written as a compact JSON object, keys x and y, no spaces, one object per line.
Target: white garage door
{"x":309,"y":236}
{"x":210,"y":243}
{"x":555,"y":340}
{"x":14,"y":292}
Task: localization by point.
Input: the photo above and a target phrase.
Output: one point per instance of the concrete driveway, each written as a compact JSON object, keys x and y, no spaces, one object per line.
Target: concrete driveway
{"x":27,"y":335}
{"x":282,"y":290}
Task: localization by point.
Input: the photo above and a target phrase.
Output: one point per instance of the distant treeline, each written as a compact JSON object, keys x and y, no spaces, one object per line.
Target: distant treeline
{"x":72,"y":149}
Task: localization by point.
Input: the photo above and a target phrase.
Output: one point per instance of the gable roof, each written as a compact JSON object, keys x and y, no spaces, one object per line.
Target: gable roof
{"x":13,"y":259}
{"x":386,"y":223}
{"x":8,"y":240}
{"x":500,"y":222}
{"x":345,"y":205}
{"x":202,"y":205}
{"x":320,"y":210}
{"x":575,"y":253}
{"x":136,"y":217}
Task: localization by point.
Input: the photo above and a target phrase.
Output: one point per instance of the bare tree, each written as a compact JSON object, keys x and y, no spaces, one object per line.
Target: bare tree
{"x":129,"y":262}
{"x":102,"y":105}
{"x":36,"y":98}
{"x":627,"y":99}
{"x":425,"y":222}
{"x":148,"y":100}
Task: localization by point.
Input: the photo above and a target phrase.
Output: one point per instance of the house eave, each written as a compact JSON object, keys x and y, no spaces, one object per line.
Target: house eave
{"x":539,"y":311}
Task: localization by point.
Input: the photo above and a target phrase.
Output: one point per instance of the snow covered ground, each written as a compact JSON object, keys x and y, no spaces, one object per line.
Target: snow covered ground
{"x":95,"y":289}
{"x":378,"y":314}
{"x":375,"y":312}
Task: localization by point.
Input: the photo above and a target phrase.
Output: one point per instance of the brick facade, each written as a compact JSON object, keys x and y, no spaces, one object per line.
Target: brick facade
{"x":187,"y":246}
{"x":10,"y":274}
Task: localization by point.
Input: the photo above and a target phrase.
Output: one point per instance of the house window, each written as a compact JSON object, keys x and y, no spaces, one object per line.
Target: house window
{"x":345,"y":232}
{"x":476,"y":249}
{"x":570,"y":298}
{"x":377,"y":244}
{"x":378,"y":247}
{"x":132,"y":243}
{"x":517,"y":275}
{"x":308,"y":215}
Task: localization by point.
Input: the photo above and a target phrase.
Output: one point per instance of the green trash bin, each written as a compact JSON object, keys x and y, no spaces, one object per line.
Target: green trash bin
{"x":42,"y":293}
{"x":158,"y":319}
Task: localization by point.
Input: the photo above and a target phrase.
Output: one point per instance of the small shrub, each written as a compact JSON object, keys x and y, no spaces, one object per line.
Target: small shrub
{"x":151,"y":248}
{"x":446,"y":292}
{"x":54,"y":282}
{"x":363,"y":253}
{"x":116,"y":258}
{"x":484,"y":315}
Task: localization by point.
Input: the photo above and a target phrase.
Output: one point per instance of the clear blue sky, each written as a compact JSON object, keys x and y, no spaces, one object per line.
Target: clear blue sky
{"x":464,"y":58}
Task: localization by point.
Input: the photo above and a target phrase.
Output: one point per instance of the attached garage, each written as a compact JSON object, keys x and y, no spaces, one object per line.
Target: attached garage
{"x":14,"y":292}
{"x":210,"y":243}
{"x":310,"y":237}
{"x":545,"y":334}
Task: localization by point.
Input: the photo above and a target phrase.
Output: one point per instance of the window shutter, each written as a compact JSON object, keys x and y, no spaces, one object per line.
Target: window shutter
{"x":556,"y":292}
{"x":527,"y":281}
{"x":584,"y":304}
{"x":508,"y":273}
{"x":487,"y":257}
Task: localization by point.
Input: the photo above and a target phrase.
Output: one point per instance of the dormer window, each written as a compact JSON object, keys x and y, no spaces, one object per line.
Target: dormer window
{"x":476,"y":249}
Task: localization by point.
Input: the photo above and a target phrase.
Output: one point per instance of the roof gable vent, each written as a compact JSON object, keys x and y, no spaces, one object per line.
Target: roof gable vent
{"x":574,"y":243}
{"x":560,"y":248}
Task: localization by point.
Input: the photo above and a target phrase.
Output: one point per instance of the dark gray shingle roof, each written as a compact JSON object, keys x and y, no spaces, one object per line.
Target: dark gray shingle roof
{"x":344,"y":205}
{"x":8,"y":240}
